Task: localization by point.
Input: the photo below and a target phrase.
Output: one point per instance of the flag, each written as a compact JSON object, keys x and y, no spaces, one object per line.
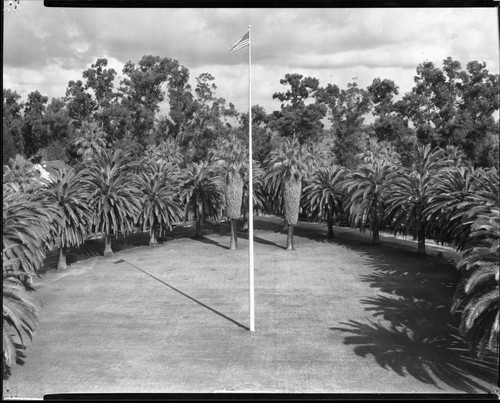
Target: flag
{"x":244,"y":41}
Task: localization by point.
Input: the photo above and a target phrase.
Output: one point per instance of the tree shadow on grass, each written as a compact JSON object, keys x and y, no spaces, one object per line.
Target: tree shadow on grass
{"x":417,"y":335}
{"x":426,"y":357}
{"x":209,"y":241}
{"x":261,"y":240}
{"x":20,"y":357}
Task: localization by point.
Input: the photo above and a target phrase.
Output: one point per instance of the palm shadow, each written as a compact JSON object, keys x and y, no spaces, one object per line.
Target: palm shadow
{"x":426,"y":357}
{"x":209,"y":241}
{"x":417,"y":335}
{"x":261,"y":240}
{"x":20,"y":358}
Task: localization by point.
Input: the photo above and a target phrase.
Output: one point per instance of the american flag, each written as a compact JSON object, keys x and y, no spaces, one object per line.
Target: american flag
{"x":244,"y":41}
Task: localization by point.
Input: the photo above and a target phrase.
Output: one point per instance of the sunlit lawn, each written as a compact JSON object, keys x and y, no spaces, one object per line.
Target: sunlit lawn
{"x":338,"y":316}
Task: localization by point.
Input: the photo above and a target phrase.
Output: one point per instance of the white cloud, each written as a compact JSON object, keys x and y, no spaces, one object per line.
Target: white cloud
{"x":44,"y":48}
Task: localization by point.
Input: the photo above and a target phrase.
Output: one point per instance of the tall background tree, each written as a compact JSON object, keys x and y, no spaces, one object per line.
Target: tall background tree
{"x":299,"y":117}
{"x":451,"y":106}
{"x":33,"y":128}
{"x":12,"y":138}
{"x":346,"y":110}
{"x":390,"y":124}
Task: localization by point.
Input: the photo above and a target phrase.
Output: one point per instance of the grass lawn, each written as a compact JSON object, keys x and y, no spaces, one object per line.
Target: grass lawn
{"x":338,"y":316}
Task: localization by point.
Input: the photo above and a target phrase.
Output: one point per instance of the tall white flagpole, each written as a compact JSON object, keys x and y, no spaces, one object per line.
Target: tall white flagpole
{"x":250,"y":188}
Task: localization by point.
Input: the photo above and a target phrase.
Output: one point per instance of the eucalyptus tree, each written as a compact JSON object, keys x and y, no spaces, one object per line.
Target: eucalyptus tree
{"x":346,"y":109}
{"x":12,"y":139}
{"x":456,"y":106}
{"x":298,"y":117}
{"x":323,"y":195}
{"x":202,"y":192}
{"x":115,"y":196}
{"x":412,"y":188}
{"x":161,"y":206}
{"x":33,"y":127}
{"x":286,"y":166}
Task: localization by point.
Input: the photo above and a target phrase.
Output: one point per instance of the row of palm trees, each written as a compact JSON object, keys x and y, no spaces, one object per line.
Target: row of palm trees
{"x":431,"y":193}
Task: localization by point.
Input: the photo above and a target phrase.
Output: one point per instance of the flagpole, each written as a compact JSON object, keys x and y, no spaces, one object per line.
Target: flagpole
{"x":250,"y":189}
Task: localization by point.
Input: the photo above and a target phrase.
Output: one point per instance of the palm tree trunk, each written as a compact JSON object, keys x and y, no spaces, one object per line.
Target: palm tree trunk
{"x":61,"y":264}
{"x":375,"y":230}
{"x":285,"y":227}
{"x":421,"y":237}
{"x":374,"y":223}
{"x":197,"y":217}
{"x":198,"y":226}
{"x":107,"y":245}
{"x":289,"y":238}
{"x":234,"y":236}
{"x":234,"y":198}
{"x":329,"y":223}
{"x":152,"y":238}
{"x":245,"y":220}
{"x":198,"y":222}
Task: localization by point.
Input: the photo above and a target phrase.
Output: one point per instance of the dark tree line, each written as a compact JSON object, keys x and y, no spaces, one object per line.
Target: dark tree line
{"x":448,"y":106}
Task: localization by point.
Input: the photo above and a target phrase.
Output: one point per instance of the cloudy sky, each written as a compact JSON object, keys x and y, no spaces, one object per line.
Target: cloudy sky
{"x":45,"y":47}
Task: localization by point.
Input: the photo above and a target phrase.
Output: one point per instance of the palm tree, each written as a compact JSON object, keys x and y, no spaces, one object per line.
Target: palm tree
{"x":233,"y":196}
{"x":202,"y":192}
{"x":28,"y":226}
{"x":114,"y":193}
{"x":229,"y":154}
{"x":69,"y":191}
{"x":259,"y":195}
{"x":478,"y":296}
{"x":23,"y":172}
{"x":323,"y":195}
{"x":161,"y":206}
{"x":91,"y":140}
{"x":412,"y":189}
{"x":367,"y":190}
{"x":455,"y":186}
{"x":168,"y":150}
{"x":471,"y":207}
{"x":286,"y":166}
{"x":20,"y":316}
